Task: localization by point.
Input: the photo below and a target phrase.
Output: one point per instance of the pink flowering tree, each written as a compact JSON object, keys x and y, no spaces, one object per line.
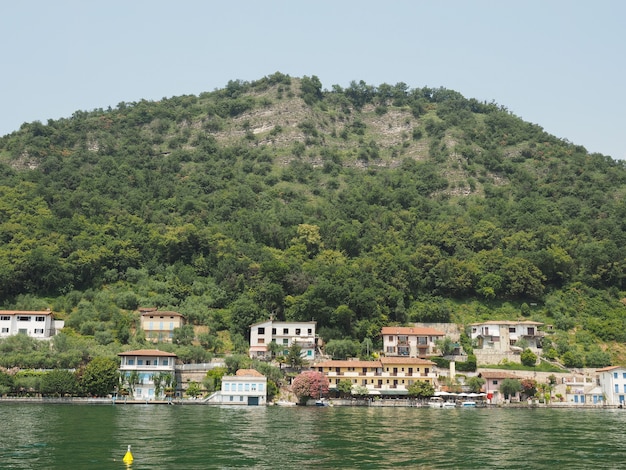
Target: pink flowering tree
{"x":310,"y":384}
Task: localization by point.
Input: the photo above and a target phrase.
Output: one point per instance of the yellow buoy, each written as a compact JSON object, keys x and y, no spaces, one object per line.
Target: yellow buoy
{"x":128,"y":457}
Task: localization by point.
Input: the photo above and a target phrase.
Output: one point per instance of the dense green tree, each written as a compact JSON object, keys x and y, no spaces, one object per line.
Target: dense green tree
{"x":528,"y":358}
{"x":59,"y":383}
{"x":510,"y":387}
{"x":421,"y":389}
{"x":100,"y":377}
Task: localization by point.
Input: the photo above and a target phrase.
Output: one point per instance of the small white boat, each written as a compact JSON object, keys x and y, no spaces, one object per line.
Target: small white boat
{"x":438,"y":402}
{"x":435,"y":402}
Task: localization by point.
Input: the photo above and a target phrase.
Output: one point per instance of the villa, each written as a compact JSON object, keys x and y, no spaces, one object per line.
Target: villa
{"x":246,"y":387}
{"x":613,"y":384}
{"x":36,"y":324}
{"x":387,"y":376}
{"x":159,"y":325}
{"x":410,"y":341}
{"x":284,"y":334}
{"x":140,"y":368}
{"x":503,"y":336}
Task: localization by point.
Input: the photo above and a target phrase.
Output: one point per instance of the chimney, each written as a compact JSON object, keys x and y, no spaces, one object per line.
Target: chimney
{"x":452,"y":370}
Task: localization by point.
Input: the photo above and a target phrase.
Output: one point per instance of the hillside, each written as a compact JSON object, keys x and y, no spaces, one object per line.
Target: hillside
{"x":356,"y":207}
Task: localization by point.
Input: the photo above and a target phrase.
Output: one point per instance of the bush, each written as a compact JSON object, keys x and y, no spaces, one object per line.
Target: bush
{"x":528,"y":358}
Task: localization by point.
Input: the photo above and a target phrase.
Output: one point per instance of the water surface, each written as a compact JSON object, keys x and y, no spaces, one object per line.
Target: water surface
{"x":36,"y":436}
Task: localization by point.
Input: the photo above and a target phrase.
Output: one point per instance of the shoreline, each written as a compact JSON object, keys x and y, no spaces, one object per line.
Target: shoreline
{"x":332,"y":403}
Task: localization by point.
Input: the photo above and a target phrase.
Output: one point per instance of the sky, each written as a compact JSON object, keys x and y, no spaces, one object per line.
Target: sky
{"x":560,"y":64}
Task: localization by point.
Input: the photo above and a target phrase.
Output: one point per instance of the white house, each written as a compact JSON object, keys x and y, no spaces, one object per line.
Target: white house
{"x":503,"y":335}
{"x":613,"y":384}
{"x":410,"y":341}
{"x":247,"y":387}
{"x":284,"y":334}
{"x":36,"y":324}
{"x":144,"y":365}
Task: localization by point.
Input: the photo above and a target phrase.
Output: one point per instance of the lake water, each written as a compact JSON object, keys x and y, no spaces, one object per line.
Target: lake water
{"x":36,"y":436}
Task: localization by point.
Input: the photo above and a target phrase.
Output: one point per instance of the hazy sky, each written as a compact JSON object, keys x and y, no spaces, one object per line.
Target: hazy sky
{"x":557,"y":63}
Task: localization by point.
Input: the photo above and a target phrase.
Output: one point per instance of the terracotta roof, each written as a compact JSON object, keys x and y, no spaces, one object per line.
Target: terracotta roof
{"x":359,"y":364}
{"x":248,"y":373}
{"x":405,"y":360}
{"x":507,"y":322}
{"x":411,"y":330}
{"x":494,"y":374}
{"x":160,"y":312}
{"x":147,"y":352}
{"x":25,"y":312}
{"x":606,"y":369}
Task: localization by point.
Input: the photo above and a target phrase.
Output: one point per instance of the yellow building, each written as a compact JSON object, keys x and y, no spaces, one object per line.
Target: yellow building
{"x":386,"y":376}
{"x":159,"y":325}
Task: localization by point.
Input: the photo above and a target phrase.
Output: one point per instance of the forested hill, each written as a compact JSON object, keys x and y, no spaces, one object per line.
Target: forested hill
{"x":357,"y":207}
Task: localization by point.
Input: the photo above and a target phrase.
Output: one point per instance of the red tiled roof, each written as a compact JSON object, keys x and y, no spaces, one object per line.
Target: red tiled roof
{"x":405,"y":360}
{"x":606,"y":369}
{"x":359,"y":364}
{"x":147,"y":352}
{"x":25,"y":312}
{"x":248,"y":373}
{"x":507,"y":322}
{"x":159,"y":312}
{"x":494,"y":374}
{"x":411,"y":330}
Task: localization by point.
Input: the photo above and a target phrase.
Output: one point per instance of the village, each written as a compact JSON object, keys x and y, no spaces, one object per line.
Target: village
{"x":411,"y":355}
{"x":408,"y":357}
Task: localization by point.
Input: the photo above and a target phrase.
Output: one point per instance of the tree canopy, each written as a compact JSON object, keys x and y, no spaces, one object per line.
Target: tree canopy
{"x":356,"y":207}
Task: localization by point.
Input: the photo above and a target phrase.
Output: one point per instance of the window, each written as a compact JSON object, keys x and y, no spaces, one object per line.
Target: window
{"x":391,"y":339}
{"x":240,"y":387}
{"x":261,"y":340}
{"x":231,"y":398}
{"x":5,"y":330}
{"x":473,"y":330}
{"x":164,"y":362}
{"x":297,"y":331}
{"x":285,"y":341}
{"x":624,"y":375}
{"x":391,"y":349}
{"x":140,"y":362}
{"x":309,"y":353}
{"x":23,"y":318}
{"x":285,"y":331}
{"x":39,"y":331}
{"x":616,"y":388}
{"x":241,"y":398}
{"x":247,"y":387}
{"x":227,"y":387}
{"x":494,"y":382}
{"x":614,"y":375}
{"x":253,"y":387}
{"x":273,"y":331}
{"x":42,"y":318}
{"x":261,"y":387}
{"x":261,"y":330}
{"x":512,"y":329}
{"x":5,"y":318}
{"x":148,"y":362}
{"x":130,"y":362}
{"x":309,"y":332}
{"x":624,"y":388}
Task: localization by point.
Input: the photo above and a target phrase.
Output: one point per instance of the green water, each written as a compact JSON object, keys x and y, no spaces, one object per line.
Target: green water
{"x":36,"y":436}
